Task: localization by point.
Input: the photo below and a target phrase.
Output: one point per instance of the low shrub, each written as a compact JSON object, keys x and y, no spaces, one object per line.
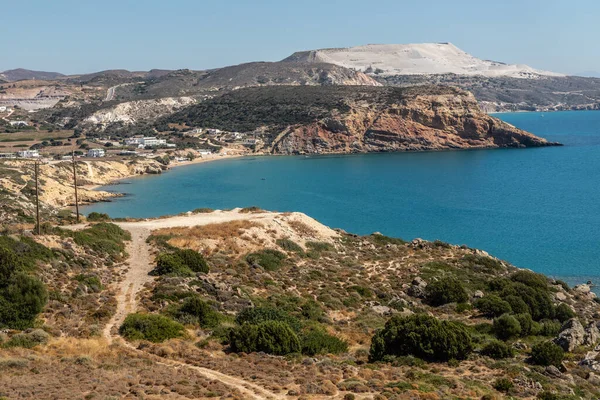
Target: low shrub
{"x":320,"y":246}
{"x":421,"y":336}
{"x":503,"y":384}
{"x":268,"y":259}
{"x":530,"y":279}
{"x":200,"y":312}
{"x":22,"y":298}
{"x":563,"y":312}
{"x":152,"y":327}
{"x":497,"y":350}
{"x":272,"y":337}
{"x":536,"y":298}
{"x":258,"y":315}
{"x":549,"y":328}
{"x":97,"y":217}
{"x":506,"y":327}
{"x":492,"y":306}
{"x":317,"y":341}
{"x":446,"y":290}
{"x":517,"y":305}
{"x":104,"y":237}
{"x":180,"y":263}
{"x":547,"y":353}
{"x":27,"y":339}
{"x":289,"y":245}
{"x":526,"y":323}
{"x":383,"y":240}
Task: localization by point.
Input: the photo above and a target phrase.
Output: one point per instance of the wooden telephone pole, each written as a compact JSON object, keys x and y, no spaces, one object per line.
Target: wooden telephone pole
{"x":75,"y":185}
{"x":37,"y":199}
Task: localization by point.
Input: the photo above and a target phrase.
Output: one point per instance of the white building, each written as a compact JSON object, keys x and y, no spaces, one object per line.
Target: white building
{"x":2,"y":108}
{"x":205,"y":152}
{"x":95,"y":153}
{"x":213,"y":131}
{"x":8,"y":155}
{"x":18,"y":123}
{"x":134,"y":141}
{"x":28,"y":154}
{"x":153,"y":142}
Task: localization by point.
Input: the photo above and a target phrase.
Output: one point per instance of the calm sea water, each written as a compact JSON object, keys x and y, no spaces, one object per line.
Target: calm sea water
{"x":537,"y":208}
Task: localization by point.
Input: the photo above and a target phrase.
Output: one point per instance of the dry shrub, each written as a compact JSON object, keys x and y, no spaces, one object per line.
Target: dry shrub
{"x":222,"y":230}
{"x":302,"y":228}
{"x":68,"y":346}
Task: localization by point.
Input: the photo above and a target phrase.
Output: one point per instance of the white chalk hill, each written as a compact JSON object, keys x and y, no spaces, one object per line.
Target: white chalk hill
{"x":416,"y":59}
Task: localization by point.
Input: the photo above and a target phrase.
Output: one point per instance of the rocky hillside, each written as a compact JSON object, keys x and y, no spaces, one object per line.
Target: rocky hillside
{"x":20,"y":74}
{"x":357,"y":119}
{"x":17,"y":184}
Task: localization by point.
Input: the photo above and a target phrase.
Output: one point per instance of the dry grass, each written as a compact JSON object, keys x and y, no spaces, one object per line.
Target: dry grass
{"x":301,"y":228}
{"x":223,"y":230}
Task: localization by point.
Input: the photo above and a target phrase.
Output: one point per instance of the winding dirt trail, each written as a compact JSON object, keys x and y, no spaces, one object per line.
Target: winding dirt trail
{"x":140,"y":264}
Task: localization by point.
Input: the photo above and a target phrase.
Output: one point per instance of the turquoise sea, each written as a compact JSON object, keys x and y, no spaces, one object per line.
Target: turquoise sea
{"x":537,"y":208}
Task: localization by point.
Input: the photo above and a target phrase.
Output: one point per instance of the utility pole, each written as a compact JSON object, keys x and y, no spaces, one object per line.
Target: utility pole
{"x":75,"y":185}
{"x":37,"y":199}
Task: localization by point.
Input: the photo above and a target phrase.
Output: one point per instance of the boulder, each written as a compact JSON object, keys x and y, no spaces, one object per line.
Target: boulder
{"x":582,"y":289}
{"x":571,"y":335}
{"x":594,"y":379}
{"x":553,"y":372}
{"x":592,"y":334}
{"x":417,"y":291}
{"x":560,"y":296}
{"x":478,"y":294}
{"x":418,"y":281}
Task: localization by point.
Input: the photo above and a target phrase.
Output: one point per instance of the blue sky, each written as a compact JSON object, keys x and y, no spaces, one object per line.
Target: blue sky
{"x":84,"y":36}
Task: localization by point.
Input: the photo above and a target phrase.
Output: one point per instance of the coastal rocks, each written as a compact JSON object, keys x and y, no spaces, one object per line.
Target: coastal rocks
{"x":560,"y":296}
{"x":592,"y":334}
{"x":402,"y":120}
{"x":572,"y":334}
{"x":594,"y":379}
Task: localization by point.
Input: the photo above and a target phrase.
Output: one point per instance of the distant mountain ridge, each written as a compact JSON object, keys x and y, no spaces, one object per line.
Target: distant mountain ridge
{"x":415,"y":59}
{"x":20,"y":74}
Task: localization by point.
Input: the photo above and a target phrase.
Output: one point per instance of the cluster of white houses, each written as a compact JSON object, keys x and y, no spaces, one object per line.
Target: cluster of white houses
{"x":21,"y":154}
{"x":143,"y":142}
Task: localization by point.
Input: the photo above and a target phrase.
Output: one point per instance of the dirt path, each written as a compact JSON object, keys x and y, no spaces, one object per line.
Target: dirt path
{"x":140,"y":264}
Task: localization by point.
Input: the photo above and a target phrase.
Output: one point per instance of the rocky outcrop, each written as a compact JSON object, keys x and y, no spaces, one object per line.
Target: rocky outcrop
{"x":130,"y":112}
{"x":56,"y":179}
{"x":448,"y":119}
{"x":571,"y":336}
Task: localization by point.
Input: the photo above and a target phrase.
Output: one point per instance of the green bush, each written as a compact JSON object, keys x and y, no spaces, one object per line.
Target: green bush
{"x":492,"y":306}
{"x":563,"y":312}
{"x":27,"y":340}
{"x":530,"y":279}
{"x":180,"y":263}
{"x":22,"y":298}
{"x":258,"y":315}
{"x":289,"y":245}
{"x":538,"y":299}
{"x":201,"y":312}
{"x":497,"y":350}
{"x":268,"y":259}
{"x":272,"y":337}
{"x":444,"y":291}
{"x":170,"y":264}
{"x":503,"y":384}
{"x":526,"y":323}
{"x":317,"y":341}
{"x":152,"y":327}
{"x":517,"y":305}
{"x":421,"y":336}
{"x":193,"y":260}
{"x":547,"y":353}
{"x":549,"y":328}
{"x":506,"y":327}
{"x":96,"y":217}
{"x":104,"y":237}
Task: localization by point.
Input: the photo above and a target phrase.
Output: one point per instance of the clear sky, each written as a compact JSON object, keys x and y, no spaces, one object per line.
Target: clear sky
{"x":78,"y":36}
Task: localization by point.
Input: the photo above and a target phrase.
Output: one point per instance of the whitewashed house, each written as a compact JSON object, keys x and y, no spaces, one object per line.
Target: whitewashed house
{"x":18,"y":123}
{"x":28,"y":154}
{"x":96,"y":153}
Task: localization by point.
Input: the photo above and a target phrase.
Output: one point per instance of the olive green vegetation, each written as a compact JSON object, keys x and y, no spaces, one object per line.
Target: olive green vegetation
{"x":258,"y":315}
{"x":507,"y":327}
{"x":497,"y":350}
{"x":272,"y":337}
{"x":27,"y":340}
{"x":503,"y":384}
{"x":152,"y":327}
{"x":268,"y":259}
{"x":547,"y":353}
{"x":104,"y":237}
{"x":289,"y":245}
{"x":563,"y":312}
{"x":97,"y":217}
{"x":421,"y":336}
{"x":318,"y":341}
{"x":197,"y":311}
{"x":22,"y":296}
{"x":492,"y":306}
{"x":446,"y":290}
{"x":180,"y":263}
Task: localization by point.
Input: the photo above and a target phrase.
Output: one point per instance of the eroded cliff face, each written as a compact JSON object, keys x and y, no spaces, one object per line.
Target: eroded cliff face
{"x":414,"y":123}
{"x":56,"y":179}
